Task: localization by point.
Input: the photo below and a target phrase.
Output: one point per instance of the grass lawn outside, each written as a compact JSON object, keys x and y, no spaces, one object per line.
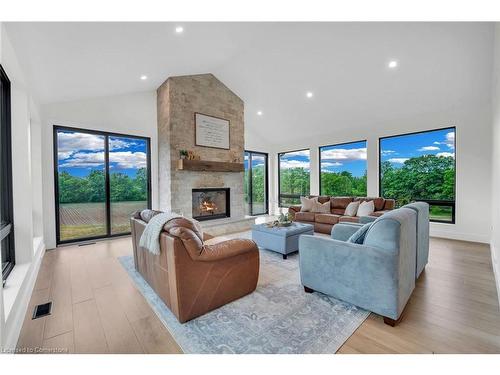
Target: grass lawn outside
{"x":83,"y":220}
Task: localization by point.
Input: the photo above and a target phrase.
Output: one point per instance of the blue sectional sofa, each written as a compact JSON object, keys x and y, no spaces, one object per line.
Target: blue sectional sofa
{"x":377,"y":275}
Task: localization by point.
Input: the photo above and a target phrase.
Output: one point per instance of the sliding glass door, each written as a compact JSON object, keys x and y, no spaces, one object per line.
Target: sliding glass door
{"x":100,"y":180}
{"x":256,"y":183}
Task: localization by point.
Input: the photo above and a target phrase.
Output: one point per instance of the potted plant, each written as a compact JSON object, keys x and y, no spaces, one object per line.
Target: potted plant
{"x":183,"y":154}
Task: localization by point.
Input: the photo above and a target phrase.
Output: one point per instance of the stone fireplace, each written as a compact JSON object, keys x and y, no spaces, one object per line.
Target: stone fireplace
{"x":211,"y":203}
{"x":178,"y":99}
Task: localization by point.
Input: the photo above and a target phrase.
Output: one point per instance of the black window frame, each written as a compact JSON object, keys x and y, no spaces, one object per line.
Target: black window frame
{"x":106,"y":136}
{"x":431,"y":202}
{"x":266,"y":177}
{"x":6,"y":197}
{"x":335,"y":145}
{"x":280,"y":205}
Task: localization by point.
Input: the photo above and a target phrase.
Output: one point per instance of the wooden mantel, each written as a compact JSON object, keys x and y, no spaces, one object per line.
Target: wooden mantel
{"x":208,"y":166}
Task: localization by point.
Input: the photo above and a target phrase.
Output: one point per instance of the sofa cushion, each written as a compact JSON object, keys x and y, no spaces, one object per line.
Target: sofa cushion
{"x":340,"y":202}
{"x":322,"y":208}
{"x":327,"y":219}
{"x":365,"y":208}
{"x":338,"y":211}
{"x":350,"y":219}
{"x":307,"y":204}
{"x":359,"y":236}
{"x":304,"y":216}
{"x":352,"y":209}
{"x":323,"y":199}
{"x":378,"y":202}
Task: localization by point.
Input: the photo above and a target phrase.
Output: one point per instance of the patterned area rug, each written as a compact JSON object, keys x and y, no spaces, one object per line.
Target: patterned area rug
{"x":279,"y":317}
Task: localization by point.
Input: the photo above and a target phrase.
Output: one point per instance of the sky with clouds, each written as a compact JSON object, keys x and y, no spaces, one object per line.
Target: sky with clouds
{"x":350,"y":157}
{"x":401,"y":148}
{"x":81,"y":153}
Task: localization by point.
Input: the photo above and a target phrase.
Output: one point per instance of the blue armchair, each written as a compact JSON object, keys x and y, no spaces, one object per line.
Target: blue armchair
{"x":378,"y":275}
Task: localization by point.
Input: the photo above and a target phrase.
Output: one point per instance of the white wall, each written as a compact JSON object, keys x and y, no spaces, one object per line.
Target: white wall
{"x":473,"y":150}
{"x":495,"y":165}
{"x":28,"y":249}
{"x":132,"y":114}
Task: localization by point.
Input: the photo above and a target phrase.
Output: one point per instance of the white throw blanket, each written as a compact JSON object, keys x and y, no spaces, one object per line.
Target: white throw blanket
{"x":150,"y":238}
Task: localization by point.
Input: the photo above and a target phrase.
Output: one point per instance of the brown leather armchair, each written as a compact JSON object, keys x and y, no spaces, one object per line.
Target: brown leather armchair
{"x":194,"y":273}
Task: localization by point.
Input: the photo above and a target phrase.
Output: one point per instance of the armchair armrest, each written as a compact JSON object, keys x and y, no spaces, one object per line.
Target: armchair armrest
{"x":342,"y":231}
{"x":227,"y":249}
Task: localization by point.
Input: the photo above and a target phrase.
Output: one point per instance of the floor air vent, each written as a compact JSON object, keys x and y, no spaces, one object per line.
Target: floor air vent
{"x":42,"y":310}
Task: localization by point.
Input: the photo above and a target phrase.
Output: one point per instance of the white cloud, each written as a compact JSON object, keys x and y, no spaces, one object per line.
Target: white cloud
{"x":344,"y":154}
{"x":123,"y":160}
{"x":85,"y":160}
{"x":74,"y":142}
{"x":398,"y":160}
{"x":450,"y":141}
{"x":287,"y":164}
{"x":330,"y":164}
{"x":128,"y":159}
{"x":445,"y":154}
{"x":287,"y":155}
{"x":429,"y":148}
{"x":388,"y":152}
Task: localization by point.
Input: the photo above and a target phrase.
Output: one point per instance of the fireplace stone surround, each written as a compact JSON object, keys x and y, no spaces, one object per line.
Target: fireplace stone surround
{"x":178,"y":99}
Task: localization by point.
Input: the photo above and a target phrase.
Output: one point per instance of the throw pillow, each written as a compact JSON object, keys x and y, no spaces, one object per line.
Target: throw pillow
{"x":307,"y":203}
{"x":351,"y":209}
{"x":359,"y":236}
{"x":366,"y":209}
{"x":321,"y":208}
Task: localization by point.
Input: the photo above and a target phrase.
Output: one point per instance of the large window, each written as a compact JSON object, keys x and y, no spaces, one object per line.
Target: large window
{"x":294,"y":176}
{"x":343,"y":169}
{"x":6,"y":210}
{"x":420,"y":167}
{"x":101,"y":179}
{"x":256,"y":183}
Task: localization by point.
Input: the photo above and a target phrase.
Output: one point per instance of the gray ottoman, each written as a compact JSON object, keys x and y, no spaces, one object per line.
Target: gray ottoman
{"x":284,"y":240}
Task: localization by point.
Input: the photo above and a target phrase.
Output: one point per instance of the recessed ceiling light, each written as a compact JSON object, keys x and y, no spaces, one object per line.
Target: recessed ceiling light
{"x":393,"y":64}
{"x":259,"y":113}
{"x":309,"y":94}
{"x":144,"y":77}
{"x":179,"y":29}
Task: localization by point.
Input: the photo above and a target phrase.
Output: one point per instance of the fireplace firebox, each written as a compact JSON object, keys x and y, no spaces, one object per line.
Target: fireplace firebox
{"x":211,"y":203}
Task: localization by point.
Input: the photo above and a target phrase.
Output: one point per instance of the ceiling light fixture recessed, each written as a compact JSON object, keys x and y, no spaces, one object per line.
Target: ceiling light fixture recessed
{"x":259,"y":113}
{"x":144,"y":77}
{"x":393,"y":64}
{"x":179,"y":29}
{"x":309,"y":94}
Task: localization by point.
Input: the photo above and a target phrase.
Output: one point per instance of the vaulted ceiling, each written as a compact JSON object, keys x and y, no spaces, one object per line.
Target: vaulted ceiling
{"x":270,"y":66}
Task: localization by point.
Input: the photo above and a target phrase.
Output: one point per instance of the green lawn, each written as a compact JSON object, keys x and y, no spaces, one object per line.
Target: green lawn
{"x":82,"y":220}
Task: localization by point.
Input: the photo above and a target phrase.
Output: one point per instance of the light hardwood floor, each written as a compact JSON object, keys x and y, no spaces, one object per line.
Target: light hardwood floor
{"x":96,"y":308}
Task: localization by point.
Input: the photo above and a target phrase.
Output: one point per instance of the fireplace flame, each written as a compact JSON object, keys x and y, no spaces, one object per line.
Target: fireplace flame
{"x":207,"y":206}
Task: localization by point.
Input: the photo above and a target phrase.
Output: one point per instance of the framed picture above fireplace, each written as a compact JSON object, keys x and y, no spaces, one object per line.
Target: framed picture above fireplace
{"x":211,"y":131}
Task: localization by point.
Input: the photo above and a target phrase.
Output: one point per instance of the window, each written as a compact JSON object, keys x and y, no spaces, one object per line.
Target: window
{"x":293,"y":176}
{"x":256,"y":183}
{"x":420,"y":167}
{"x":101,"y":179}
{"x":343,"y":169}
{"x":6,"y":210}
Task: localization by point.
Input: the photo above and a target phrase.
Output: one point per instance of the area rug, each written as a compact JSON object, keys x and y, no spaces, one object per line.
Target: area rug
{"x":279,"y":317}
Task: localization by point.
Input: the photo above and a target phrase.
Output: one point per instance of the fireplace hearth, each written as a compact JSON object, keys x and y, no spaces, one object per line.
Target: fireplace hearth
{"x":211,"y":203}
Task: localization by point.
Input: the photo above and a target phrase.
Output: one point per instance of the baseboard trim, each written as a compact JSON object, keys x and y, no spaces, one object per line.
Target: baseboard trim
{"x":496,"y":268}
{"x":460,"y":236}
{"x":15,"y":319}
